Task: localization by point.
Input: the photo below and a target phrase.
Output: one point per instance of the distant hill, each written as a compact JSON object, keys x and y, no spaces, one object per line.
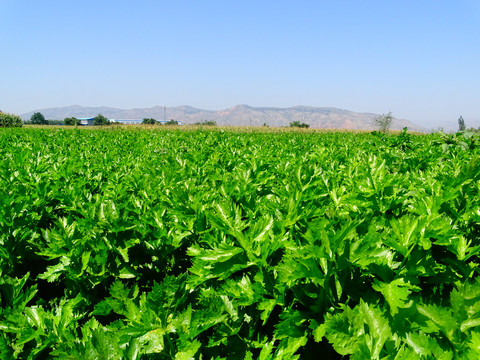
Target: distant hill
{"x":240,"y":115}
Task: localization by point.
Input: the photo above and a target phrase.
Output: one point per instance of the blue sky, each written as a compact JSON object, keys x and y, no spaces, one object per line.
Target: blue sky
{"x":418,"y":59}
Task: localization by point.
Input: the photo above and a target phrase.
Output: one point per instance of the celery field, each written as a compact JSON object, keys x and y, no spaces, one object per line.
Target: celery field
{"x":220,"y":244}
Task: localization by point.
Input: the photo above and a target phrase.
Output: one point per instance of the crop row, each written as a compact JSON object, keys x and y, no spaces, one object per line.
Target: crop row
{"x":122,"y":244}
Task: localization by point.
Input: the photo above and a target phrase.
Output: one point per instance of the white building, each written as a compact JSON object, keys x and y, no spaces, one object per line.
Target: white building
{"x":126,"y":121}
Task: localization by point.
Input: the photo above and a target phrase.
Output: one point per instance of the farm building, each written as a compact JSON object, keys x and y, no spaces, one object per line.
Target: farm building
{"x":126,"y":121}
{"x":89,"y":121}
{"x":86,"y":121}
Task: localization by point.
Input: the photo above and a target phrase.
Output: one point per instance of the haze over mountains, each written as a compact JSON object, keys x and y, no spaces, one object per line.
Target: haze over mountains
{"x":239,"y":115}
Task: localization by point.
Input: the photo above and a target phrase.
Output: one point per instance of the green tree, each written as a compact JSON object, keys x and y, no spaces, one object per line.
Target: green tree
{"x":38,"y":119}
{"x":54,"y":122}
{"x":461,"y":124}
{"x":71,"y":121}
{"x":10,"y":120}
{"x":100,"y":120}
{"x":149,"y":121}
{"x":299,"y":124}
{"x":384,"y":122}
{"x":171,"y":122}
{"x":207,"y":123}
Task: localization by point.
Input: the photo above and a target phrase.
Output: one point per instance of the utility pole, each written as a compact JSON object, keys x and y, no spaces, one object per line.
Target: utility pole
{"x":164,"y":113}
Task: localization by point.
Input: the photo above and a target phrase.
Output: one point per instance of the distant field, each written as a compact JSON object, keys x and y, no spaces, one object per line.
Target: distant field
{"x":241,"y":129}
{"x":134,"y":242}
{"x":193,"y":127}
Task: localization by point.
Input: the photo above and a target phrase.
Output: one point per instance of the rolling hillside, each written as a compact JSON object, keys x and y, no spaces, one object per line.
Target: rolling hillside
{"x":240,"y":115}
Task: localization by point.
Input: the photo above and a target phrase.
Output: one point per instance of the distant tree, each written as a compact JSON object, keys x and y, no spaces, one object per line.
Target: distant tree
{"x":461,"y":124}
{"x":207,"y":123}
{"x":71,"y":121}
{"x":54,"y":122}
{"x":100,"y":120}
{"x":10,"y":120}
{"x":149,"y":121}
{"x":473,"y":130}
{"x":384,"y":122}
{"x":38,"y":119}
{"x":171,"y":122}
{"x":299,"y":124}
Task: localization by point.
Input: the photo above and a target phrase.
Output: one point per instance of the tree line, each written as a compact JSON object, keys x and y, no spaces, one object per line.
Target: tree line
{"x":99,"y":120}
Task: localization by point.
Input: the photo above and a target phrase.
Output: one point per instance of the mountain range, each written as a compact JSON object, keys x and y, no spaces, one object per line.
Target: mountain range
{"x":239,"y":115}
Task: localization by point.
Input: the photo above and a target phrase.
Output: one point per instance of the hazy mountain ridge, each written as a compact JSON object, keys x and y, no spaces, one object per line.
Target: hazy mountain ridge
{"x":239,"y":115}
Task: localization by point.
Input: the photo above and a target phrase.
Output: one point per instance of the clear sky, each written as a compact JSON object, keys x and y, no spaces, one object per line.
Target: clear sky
{"x":418,"y":59}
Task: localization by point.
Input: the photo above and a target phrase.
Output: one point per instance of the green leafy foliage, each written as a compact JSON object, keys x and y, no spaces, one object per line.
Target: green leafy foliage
{"x":299,"y":124}
{"x":10,"y":120}
{"x":206,"y":123}
{"x":71,"y":121}
{"x":149,"y":121}
{"x":100,"y":120}
{"x":384,"y":122}
{"x":210,"y":244}
{"x":38,"y":119}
